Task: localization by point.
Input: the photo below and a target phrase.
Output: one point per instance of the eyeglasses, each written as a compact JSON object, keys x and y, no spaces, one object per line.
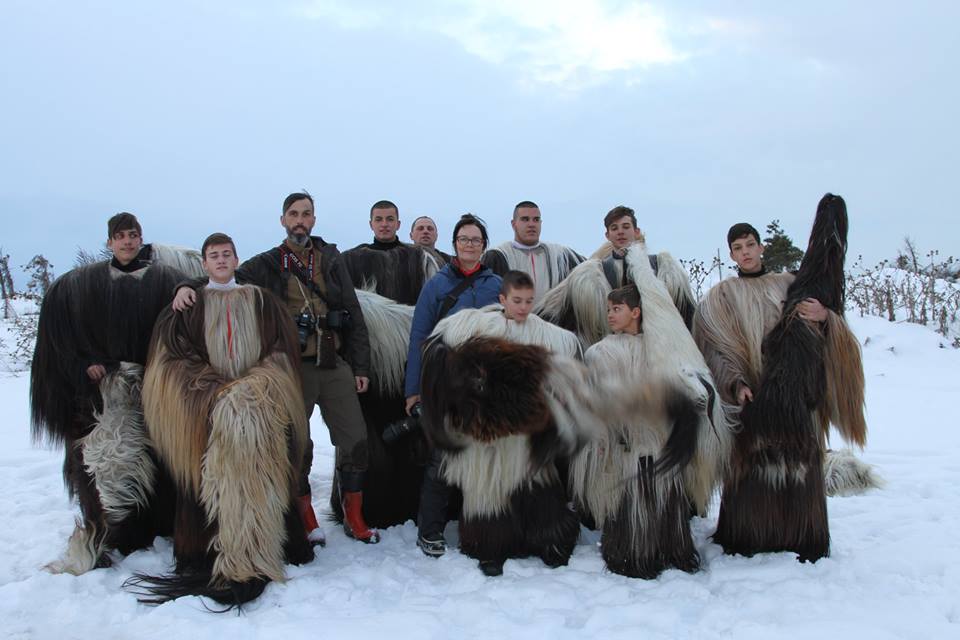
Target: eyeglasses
{"x":473,"y":242}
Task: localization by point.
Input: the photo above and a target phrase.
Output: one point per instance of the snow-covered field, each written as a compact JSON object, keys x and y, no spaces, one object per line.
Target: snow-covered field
{"x":894,"y":571}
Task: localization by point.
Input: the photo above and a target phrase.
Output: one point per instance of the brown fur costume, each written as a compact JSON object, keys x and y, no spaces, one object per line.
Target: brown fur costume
{"x":514,"y":502}
{"x":222,"y":401}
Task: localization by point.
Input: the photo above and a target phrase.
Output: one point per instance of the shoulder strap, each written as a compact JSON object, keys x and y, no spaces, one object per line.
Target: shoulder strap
{"x":451,"y":298}
{"x":289,"y":262}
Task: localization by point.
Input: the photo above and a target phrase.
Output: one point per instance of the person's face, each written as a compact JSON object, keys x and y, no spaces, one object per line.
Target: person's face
{"x":526,"y":225}
{"x":298,"y":219}
{"x":621,"y":232}
{"x":220,"y":262}
{"x":518,"y":303}
{"x":747,"y":253}
{"x":469,"y":244}
{"x":622,"y":319}
{"x":424,"y":233}
{"x":125,"y":245}
{"x":385,"y":223}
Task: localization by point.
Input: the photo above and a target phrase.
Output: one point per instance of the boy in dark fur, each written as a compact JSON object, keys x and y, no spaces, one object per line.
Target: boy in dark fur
{"x":92,"y":338}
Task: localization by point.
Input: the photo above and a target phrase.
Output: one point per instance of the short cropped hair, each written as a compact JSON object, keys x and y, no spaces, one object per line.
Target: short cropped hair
{"x":514,"y":279}
{"x":618,"y":212}
{"x":384,"y":204}
{"x":469,"y":218}
{"x":628,"y":295}
{"x":293,"y":197}
{"x":122,"y":221}
{"x":416,"y":220}
{"x":215,"y":239}
{"x":741,"y":230}
{"x":526,"y":204}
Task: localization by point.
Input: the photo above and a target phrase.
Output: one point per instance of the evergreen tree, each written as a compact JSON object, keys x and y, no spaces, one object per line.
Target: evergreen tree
{"x":779,"y":252}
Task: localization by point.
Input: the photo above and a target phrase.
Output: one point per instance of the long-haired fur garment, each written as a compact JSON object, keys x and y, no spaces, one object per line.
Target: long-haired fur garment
{"x":665,"y":441}
{"x":774,"y":499}
{"x":223,"y":404}
{"x":97,"y":314}
{"x":391,"y":490}
{"x":579,"y":302}
{"x":503,"y":411}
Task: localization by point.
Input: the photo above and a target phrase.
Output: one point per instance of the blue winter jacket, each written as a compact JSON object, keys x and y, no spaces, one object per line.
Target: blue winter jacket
{"x":484,"y":290}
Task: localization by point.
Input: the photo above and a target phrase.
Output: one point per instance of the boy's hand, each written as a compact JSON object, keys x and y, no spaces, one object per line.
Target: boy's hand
{"x":363,"y":383}
{"x":811,"y":309}
{"x":744,"y":395}
{"x":96,"y":371}
{"x":184,"y":299}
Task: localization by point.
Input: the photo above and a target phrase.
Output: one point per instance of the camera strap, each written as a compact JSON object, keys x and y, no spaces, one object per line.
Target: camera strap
{"x":451,"y":298}
{"x":291,"y":262}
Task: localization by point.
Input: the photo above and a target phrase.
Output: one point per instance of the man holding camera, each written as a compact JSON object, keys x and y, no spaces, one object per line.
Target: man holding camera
{"x":307,"y":274}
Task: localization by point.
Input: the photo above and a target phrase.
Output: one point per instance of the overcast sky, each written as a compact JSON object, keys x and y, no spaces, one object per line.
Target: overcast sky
{"x":201,"y":116}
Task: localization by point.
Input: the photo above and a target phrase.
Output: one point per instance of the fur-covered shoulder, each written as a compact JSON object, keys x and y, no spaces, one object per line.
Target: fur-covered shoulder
{"x":579,"y":302}
{"x":490,"y":322}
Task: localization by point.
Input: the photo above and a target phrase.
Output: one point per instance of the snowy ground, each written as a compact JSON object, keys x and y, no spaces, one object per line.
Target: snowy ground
{"x":894,"y":571}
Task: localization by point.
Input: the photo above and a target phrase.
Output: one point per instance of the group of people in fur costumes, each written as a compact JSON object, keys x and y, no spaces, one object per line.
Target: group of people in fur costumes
{"x":522,"y":390}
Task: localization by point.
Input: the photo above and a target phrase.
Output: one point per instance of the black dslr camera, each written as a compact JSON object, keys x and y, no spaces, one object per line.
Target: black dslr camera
{"x":306,"y":325}
{"x":396,"y":430}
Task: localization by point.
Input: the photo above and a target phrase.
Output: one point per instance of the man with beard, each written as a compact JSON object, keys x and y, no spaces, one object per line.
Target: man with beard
{"x":546,"y":263}
{"x":307,"y":274}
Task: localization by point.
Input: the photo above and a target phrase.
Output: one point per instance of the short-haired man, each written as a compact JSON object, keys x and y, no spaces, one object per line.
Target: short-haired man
{"x":546,"y":263}
{"x":423,"y":233}
{"x":398,"y":269}
{"x":92,"y":340}
{"x":307,"y":274}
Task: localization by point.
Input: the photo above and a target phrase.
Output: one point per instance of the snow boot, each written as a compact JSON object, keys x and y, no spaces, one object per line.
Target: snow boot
{"x":354,"y":525}
{"x":315,"y":534}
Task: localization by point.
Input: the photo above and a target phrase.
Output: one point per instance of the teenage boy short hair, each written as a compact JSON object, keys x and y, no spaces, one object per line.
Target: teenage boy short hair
{"x":515,"y":280}
{"x":214,"y":239}
{"x":618,"y":212}
{"x":741,"y":230}
{"x":122,"y":222}
{"x":628,"y":295}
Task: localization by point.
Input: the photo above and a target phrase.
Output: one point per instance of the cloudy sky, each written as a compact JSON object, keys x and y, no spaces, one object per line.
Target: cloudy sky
{"x":201,"y":116}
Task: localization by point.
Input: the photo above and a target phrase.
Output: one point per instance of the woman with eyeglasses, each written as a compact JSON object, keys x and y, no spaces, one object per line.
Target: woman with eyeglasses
{"x":465,"y":283}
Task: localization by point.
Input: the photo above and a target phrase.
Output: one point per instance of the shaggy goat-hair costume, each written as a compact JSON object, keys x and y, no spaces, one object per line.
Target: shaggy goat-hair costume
{"x":774,"y":498}
{"x":391,"y":489}
{"x":547,"y":263}
{"x":98,"y":314}
{"x":666,"y":439}
{"x":503,"y":412}
{"x":388,"y":284}
{"x":223,"y":405}
{"x":398,"y":274}
{"x":579,"y":303}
